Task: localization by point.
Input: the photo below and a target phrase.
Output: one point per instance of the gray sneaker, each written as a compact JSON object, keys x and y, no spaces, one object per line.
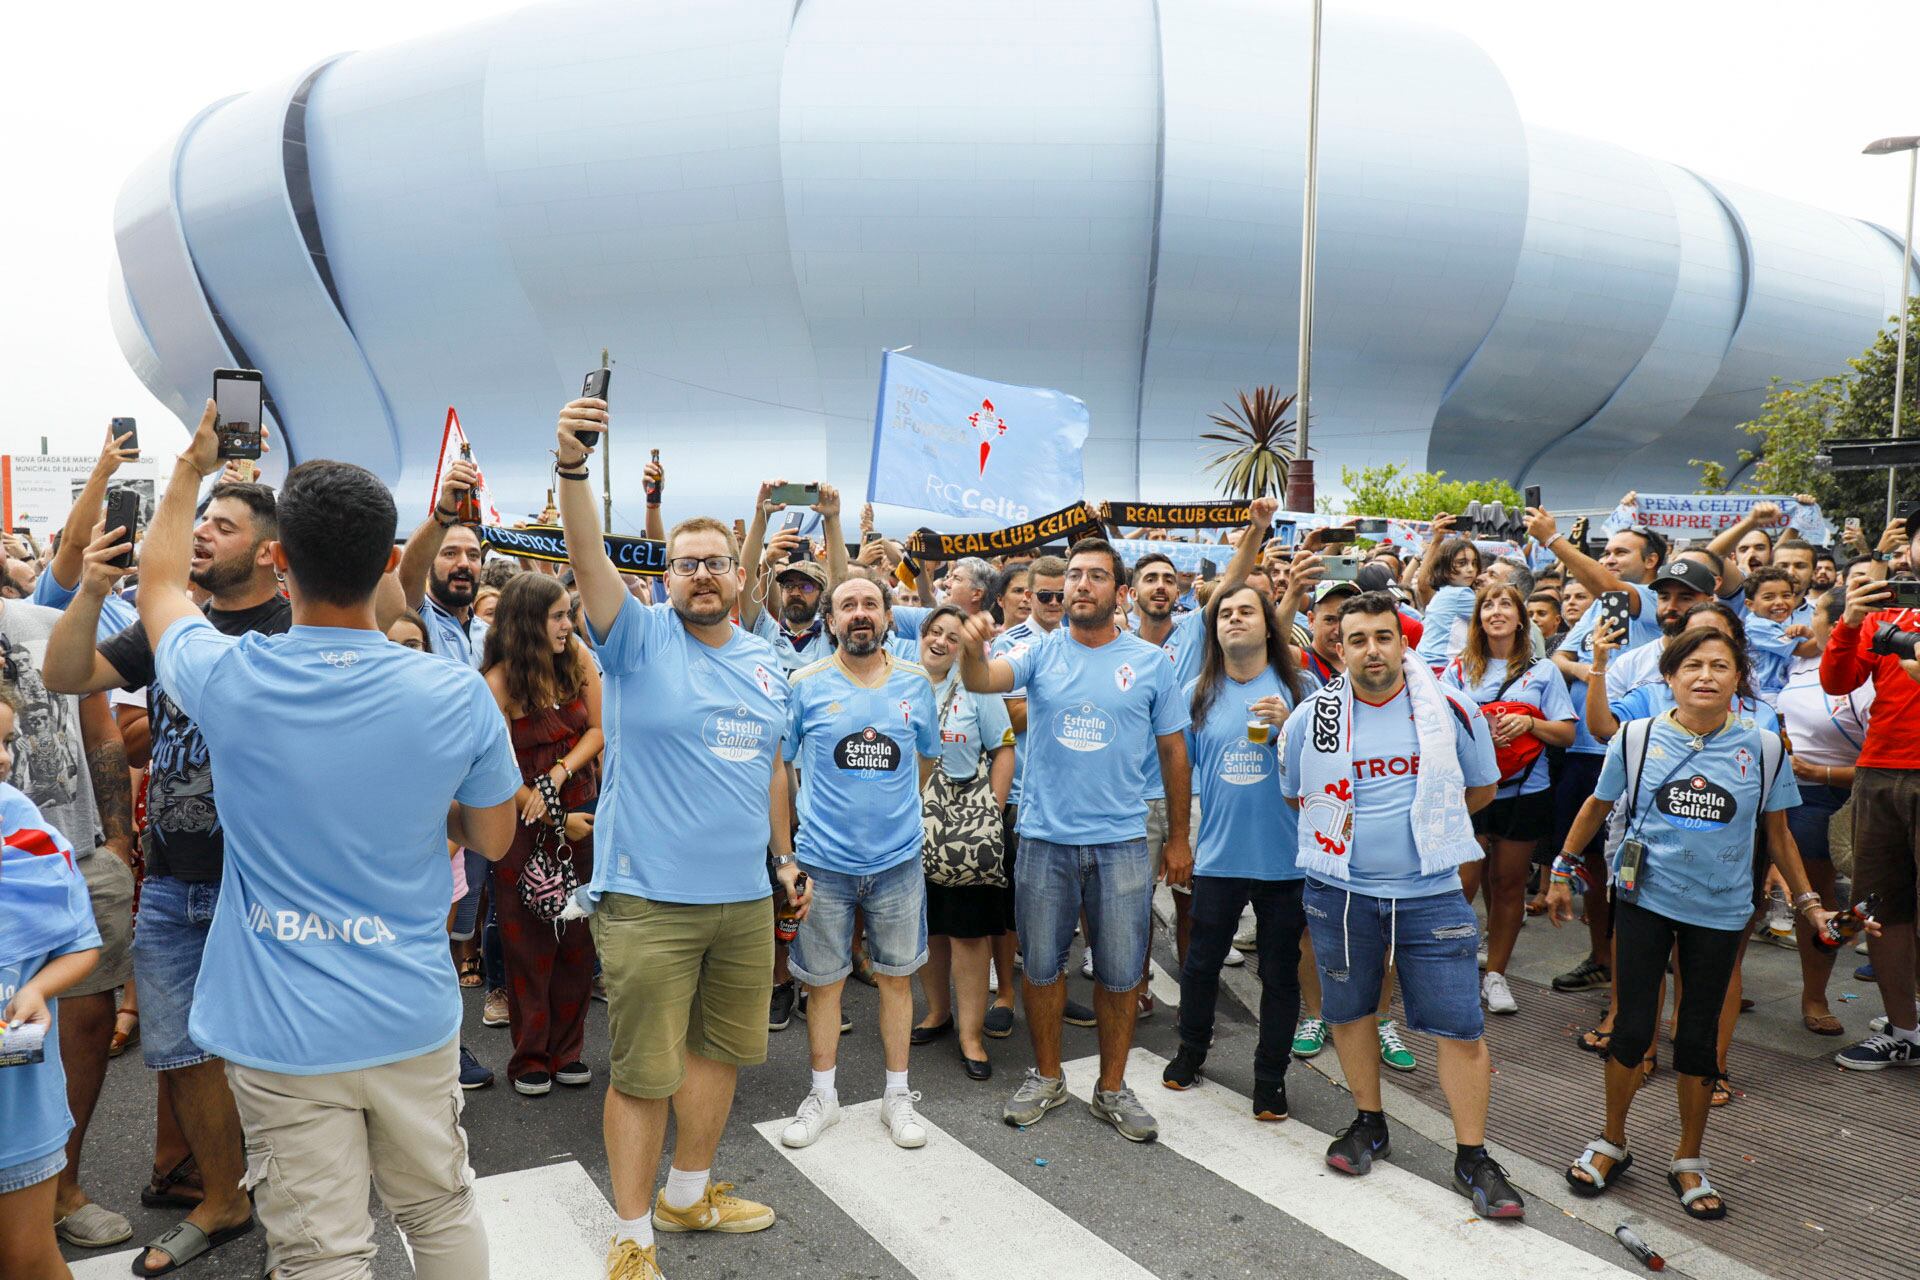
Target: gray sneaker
{"x":1123,"y":1111}
{"x":1036,"y":1096}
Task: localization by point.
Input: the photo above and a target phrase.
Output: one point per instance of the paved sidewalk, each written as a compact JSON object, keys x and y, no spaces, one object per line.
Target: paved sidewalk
{"x":1815,"y":1161}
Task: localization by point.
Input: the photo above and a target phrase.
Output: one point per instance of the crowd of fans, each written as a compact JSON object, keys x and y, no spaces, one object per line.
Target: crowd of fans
{"x":268,"y":812}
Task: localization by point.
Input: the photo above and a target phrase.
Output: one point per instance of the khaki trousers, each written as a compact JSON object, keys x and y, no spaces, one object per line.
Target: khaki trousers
{"x":313,"y":1143}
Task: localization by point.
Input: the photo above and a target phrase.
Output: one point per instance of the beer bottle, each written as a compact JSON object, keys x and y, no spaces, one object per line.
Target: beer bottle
{"x":466,"y":507}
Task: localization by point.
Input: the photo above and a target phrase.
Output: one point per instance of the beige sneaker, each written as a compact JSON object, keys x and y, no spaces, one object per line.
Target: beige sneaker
{"x":715,"y":1211}
{"x":628,"y":1261}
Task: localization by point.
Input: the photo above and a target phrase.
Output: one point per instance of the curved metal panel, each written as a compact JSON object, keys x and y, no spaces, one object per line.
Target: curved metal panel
{"x":1003,"y":225}
{"x":1594,"y":281}
{"x":254,"y":264}
{"x":1423,"y":198}
{"x":179,"y":342}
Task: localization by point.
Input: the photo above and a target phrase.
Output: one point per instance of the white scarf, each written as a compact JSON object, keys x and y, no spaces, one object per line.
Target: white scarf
{"x":1442,"y":827}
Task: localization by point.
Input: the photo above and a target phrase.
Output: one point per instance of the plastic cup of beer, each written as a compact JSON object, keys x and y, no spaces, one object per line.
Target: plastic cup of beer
{"x":1259,"y":732}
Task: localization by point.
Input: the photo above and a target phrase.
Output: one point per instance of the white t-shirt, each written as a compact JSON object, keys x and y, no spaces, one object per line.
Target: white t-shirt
{"x":1825,"y":730}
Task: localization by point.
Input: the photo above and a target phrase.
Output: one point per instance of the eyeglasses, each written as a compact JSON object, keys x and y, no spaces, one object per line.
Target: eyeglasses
{"x":805,"y":586}
{"x":1049,"y":597}
{"x":1089,"y":575}
{"x":687,"y":566}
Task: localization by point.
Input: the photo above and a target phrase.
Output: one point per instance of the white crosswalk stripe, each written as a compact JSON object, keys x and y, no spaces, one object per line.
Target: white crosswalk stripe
{"x":1391,"y":1216}
{"x":913,"y":1217}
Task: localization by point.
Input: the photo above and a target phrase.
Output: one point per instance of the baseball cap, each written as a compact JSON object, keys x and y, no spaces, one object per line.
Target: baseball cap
{"x":1326,"y":590}
{"x":1690,"y":574}
{"x":808,"y":569}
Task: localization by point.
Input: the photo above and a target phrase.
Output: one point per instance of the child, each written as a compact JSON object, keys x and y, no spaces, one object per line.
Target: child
{"x":47,"y":943}
{"x":1773,"y":640}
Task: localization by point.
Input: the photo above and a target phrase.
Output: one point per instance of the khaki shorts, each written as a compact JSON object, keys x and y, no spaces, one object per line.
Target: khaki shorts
{"x":1157,"y":839}
{"x":1886,"y":840}
{"x":683,"y":978}
{"x":110,"y":886}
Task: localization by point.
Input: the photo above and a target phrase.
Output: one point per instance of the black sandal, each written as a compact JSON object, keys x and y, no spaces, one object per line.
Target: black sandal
{"x":162,"y":1190}
{"x":1594,"y":1040}
{"x":1692,"y":1196}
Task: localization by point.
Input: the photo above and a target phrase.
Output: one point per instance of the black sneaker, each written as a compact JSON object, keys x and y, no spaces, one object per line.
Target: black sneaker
{"x":1270,"y":1101}
{"x":1184,"y":1071}
{"x":1588,"y":975}
{"x":1354,"y":1149}
{"x":574,"y":1075}
{"x":780,"y":1013}
{"x":846,"y":1019}
{"x":1485,"y":1183}
{"x":533,"y":1084}
{"x":1078,"y":1015}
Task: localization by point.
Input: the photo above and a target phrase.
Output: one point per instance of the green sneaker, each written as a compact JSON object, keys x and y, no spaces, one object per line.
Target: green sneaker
{"x":1309,"y":1037}
{"x":1392,"y":1052}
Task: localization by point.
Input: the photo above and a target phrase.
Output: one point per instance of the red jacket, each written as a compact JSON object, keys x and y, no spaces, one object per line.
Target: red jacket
{"x":1893,"y":732}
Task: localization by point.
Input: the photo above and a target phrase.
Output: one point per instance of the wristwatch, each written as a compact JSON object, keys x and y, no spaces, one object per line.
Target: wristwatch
{"x":779,"y":860}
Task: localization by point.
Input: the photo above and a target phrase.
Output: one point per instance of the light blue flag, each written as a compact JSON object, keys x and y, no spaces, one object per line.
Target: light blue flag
{"x":963,"y":446}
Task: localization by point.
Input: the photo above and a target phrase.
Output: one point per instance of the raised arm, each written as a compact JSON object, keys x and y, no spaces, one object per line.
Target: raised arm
{"x":167,"y":553}
{"x":68,"y":559}
{"x":1596,"y":577}
{"x":1246,"y":552}
{"x":753,"y":552}
{"x":1601,"y":722}
{"x":1430,"y":556}
{"x":74,"y":664}
{"x":829,"y":509}
{"x":424,"y":545}
{"x":1762,"y":515}
{"x":601,"y":590}
{"x":979,"y":673}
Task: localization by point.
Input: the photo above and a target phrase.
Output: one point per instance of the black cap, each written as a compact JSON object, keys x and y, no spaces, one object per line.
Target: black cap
{"x":1690,"y":574}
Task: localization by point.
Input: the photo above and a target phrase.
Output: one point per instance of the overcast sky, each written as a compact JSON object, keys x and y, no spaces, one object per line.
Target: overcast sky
{"x":1777,"y":94}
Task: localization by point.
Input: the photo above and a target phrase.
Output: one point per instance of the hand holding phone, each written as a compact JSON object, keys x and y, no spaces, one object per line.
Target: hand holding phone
{"x":131,"y":430}
{"x":795,"y":495}
{"x":1535,"y":498}
{"x":593,"y":387}
{"x":1614,"y":609}
{"x":123,"y":512}
{"x":237,"y":396}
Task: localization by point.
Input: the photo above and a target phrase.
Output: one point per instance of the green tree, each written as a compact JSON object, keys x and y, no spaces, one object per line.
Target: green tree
{"x":1797,"y":419}
{"x":1260,"y":443}
{"x":1394,"y":490}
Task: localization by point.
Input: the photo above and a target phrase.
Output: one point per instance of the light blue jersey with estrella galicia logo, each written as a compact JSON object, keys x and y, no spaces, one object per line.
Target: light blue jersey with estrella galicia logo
{"x":1092,"y":715}
{"x":1698,"y":813}
{"x":1247,"y":828}
{"x":858,"y":750}
{"x":1184,"y":650}
{"x":329,"y":950}
{"x":692,"y":733}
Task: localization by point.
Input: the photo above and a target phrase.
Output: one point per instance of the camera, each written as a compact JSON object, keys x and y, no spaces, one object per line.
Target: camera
{"x":1889,"y":638}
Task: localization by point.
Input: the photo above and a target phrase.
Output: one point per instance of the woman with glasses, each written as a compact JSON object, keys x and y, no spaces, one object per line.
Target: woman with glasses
{"x":962,"y":922}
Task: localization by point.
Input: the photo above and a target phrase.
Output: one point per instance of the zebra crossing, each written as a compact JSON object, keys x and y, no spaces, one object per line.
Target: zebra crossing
{"x":950,"y":1211}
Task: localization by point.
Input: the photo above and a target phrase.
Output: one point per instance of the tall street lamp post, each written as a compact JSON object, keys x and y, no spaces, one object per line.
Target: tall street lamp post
{"x":1885,"y":147}
{"x":1300,"y":471}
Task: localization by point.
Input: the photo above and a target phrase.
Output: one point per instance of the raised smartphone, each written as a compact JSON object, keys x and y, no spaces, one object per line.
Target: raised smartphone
{"x":236,"y":399}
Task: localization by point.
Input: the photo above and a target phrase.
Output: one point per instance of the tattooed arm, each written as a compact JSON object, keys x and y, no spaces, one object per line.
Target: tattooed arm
{"x":107,"y":765}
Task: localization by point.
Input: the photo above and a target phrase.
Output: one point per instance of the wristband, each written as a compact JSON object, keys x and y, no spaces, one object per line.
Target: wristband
{"x":780,"y":860}
{"x":444,"y":518}
{"x":1805,"y":902}
{"x":564,"y":474}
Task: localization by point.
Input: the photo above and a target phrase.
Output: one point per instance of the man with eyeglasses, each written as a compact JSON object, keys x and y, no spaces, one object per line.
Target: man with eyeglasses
{"x":682,"y":916}
{"x":787,"y":614}
{"x":1098,"y":700}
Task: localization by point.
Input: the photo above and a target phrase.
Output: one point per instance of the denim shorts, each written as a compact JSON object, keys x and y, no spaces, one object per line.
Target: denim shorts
{"x":894,"y":902}
{"x":1434,"y":942}
{"x":1113,"y":883}
{"x":168,"y":940}
{"x":31,"y":1173}
{"x":1811,"y":820}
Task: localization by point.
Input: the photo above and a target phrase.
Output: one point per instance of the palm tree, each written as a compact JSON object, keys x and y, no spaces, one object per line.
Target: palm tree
{"x":1260,"y":443}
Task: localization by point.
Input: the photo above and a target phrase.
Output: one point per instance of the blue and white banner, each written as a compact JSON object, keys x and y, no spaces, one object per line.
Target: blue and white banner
{"x":1701,"y":515}
{"x":1186,"y":556}
{"x":962,"y":446}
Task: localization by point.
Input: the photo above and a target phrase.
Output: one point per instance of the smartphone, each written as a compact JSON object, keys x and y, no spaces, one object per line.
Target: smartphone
{"x":1853,"y":523}
{"x":1208,"y":570}
{"x":1613,"y":609}
{"x":1906,"y":593}
{"x":795,"y":519}
{"x":802,"y":550}
{"x":593,"y":387}
{"x":123,"y":512}
{"x":871,"y":535}
{"x":128,"y":428}
{"x":795,"y":495}
{"x":1533,"y":496}
{"x":1339,"y":568}
{"x":236,"y":400}
{"x":1370,"y":526}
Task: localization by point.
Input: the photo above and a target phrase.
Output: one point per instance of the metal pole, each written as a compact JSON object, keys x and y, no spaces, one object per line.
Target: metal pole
{"x":1300,"y":473}
{"x":1906,"y":285}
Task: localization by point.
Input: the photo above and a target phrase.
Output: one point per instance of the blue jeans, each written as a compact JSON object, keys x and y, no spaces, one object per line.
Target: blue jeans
{"x":31,"y":1173}
{"x":1432,"y":940}
{"x":1112,"y":883}
{"x":895,"y":904}
{"x":169,"y":937}
{"x":1810,"y":820}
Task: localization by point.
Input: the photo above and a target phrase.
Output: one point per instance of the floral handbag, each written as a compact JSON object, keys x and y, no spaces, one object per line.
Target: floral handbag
{"x":965,"y":843}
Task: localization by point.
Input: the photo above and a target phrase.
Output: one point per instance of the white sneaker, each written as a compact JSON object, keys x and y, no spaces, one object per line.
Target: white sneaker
{"x":902,"y":1121}
{"x":1494,"y":990}
{"x":993,"y":978}
{"x":1086,"y":964}
{"x":1246,"y":939}
{"x":1234,"y":959}
{"x":817,"y":1114}
{"x":1481,"y":955}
